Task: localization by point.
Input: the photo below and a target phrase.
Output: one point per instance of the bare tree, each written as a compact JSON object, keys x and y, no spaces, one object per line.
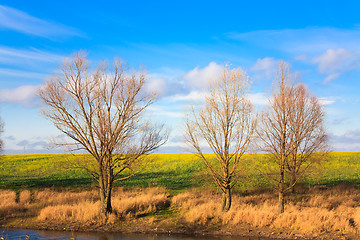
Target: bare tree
{"x":103,"y":113}
{"x":226,"y":124}
{"x":291,"y":131}
{"x":308,"y":133}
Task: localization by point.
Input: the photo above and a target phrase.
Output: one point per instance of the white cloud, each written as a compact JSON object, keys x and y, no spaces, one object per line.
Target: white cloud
{"x":261,"y":99}
{"x":24,"y":95}
{"x":258,"y":98}
{"x":199,"y":78}
{"x":165,"y":84}
{"x":191,"y":96}
{"x":255,"y":98}
{"x":335,"y":62}
{"x":325,"y":101}
{"x":267,"y":66}
{"x":156,"y":85}
{"x":331,"y":60}
{"x":20,"y":21}
{"x":164,"y":112}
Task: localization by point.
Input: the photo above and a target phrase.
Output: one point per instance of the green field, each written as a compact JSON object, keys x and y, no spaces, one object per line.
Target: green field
{"x":173,"y":171}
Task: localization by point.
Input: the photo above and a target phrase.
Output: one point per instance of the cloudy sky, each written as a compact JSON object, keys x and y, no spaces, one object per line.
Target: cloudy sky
{"x":182,"y":44}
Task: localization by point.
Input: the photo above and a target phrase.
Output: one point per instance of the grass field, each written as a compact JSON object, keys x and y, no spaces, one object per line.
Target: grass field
{"x":165,"y":195}
{"x":173,"y":171}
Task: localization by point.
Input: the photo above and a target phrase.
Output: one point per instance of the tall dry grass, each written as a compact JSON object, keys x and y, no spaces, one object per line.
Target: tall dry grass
{"x":140,"y":202}
{"x":32,"y":202}
{"x":84,"y":207}
{"x":8,"y":205}
{"x":335,"y":210}
{"x":314,"y":211}
{"x":83,"y":211}
{"x":52,"y":197}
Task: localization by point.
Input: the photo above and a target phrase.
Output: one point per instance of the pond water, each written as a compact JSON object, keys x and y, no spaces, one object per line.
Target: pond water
{"x":24,"y":234}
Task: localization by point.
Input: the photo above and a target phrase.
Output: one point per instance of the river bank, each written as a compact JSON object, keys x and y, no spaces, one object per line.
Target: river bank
{"x":65,"y":235}
{"x":164,"y":228}
{"x":317,"y":213}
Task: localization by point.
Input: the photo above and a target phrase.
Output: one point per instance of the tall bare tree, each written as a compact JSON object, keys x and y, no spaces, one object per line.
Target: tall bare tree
{"x":308,"y":133}
{"x":103,"y":113}
{"x":291,"y":129}
{"x":226,"y":124}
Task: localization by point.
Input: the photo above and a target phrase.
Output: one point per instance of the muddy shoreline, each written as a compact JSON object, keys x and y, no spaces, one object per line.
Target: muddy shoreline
{"x":169,"y":229}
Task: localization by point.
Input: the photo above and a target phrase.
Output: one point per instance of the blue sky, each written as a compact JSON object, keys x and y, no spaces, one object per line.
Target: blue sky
{"x":182,"y":44}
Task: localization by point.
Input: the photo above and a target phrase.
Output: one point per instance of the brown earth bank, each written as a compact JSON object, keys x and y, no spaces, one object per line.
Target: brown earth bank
{"x":312,"y":213}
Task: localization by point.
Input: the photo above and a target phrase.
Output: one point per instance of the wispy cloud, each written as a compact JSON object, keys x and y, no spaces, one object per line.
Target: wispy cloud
{"x":13,"y":55}
{"x":264,"y":67}
{"x":335,"y":51}
{"x":301,"y":57}
{"x":339,"y":121}
{"x":335,"y":62}
{"x":20,"y":73}
{"x":33,"y":145}
{"x":326,"y":101}
{"x":24,"y":95}
{"x":349,"y":141}
{"x":20,"y":21}
{"x":191,"y":96}
{"x":311,"y":40}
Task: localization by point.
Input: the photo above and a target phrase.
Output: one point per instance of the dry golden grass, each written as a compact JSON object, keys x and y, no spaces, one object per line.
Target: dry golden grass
{"x":139,"y":202}
{"x":205,"y":208}
{"x":8,"y":206}
{"x":52,"y":197}
{"x":84,"y":206}
{"x":82,"y":211}
{"x":7,"y":198}
{"x":335,"y":210}
{"x":25,"y":196}
{"x":313,"y":211}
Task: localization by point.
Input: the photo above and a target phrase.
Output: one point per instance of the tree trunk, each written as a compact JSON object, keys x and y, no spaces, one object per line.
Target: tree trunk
{"x":281,"y":203}
{"x":32,"y":196}
{"x":105,"y":196}
{"x":281,"y":192}
{"x":105,"y":202}
{"x":17,"y":196}
{"x":105,"y":181}
{"x":226,"y":204}
{"x":292,"y":182}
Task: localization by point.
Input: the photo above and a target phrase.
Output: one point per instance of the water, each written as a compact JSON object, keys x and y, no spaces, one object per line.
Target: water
{"x":24,"y":234}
